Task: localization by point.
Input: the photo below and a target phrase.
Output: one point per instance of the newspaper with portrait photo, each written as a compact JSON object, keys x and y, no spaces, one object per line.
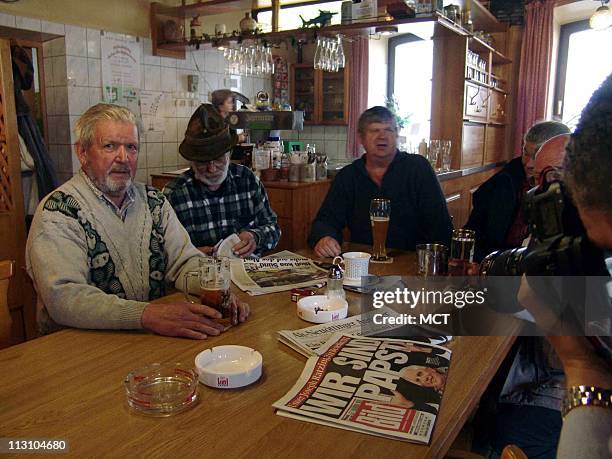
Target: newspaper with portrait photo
{"x":387,"y":387}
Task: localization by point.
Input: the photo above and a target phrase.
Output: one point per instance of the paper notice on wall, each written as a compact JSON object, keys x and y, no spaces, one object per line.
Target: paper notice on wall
{"x":120,"y":70}
{"x":153,"y":108}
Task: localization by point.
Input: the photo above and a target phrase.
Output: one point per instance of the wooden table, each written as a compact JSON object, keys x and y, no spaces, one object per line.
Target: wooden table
{"x":69,"y":385}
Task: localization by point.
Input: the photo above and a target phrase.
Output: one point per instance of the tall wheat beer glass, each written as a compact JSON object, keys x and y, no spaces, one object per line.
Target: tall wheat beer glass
{"x":380,"y":212}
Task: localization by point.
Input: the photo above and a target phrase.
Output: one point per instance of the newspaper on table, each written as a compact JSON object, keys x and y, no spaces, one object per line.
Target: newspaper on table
{"x":308,"y":341}
{"x":380,"y":386}
{"x":276,"y":273}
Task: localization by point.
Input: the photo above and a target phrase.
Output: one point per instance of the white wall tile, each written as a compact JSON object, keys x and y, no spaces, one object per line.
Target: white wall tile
{"x":63,"y":129}
{"x":52,"y":27}
{"x":170,"y":133}
{"x":170,"y":154}
{"x":181,"y":127}
{"x":168,"y":62}
{"x":7,"y":20}
{"x":152,"y":77}
{"x":52,"y":126}
{"x":154,"y":154}
{"x":78,"y":99}
{"x":141,"y":174}
{"x":58,"y":47}
{"x":59,"y":71}
{"x":153,"y":136}
{"x":93,"y":43}
{"x":76,"y":68}
{"x":50,"y":100}
{"x":142,"y":155}
{"x":27,"y":23}
{"x":147,"y":53}
{"x":200,"y":60}
{"x":168,"y":79}
{"x":76,"y":41}
{"x":61,"y":100}
{"x":95,"y":96}
{"x":94,"y":72}
{"x":48,"y":69}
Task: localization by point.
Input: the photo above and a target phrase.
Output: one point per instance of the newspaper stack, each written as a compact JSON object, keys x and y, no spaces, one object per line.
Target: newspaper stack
{"x":387,"y":387}
{"x":276,"y":273}
{"x":308,"y":341}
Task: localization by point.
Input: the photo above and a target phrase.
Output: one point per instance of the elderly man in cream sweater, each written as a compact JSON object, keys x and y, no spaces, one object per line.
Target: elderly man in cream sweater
{"x":102,"y":247}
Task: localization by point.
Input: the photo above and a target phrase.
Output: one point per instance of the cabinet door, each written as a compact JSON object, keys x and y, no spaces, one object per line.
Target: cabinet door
{"x":497,"y":107}
{"x":303,"y":91}
{"x":334,"y":97}
{"x":472,"y":150}
{"x":495,"y":144}
{"x":476,"y":102}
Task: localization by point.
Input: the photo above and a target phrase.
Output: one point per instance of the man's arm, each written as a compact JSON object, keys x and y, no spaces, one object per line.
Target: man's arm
{"x":431,"y":205}
{"x":332,"y":216}
{"x":57,"y":262}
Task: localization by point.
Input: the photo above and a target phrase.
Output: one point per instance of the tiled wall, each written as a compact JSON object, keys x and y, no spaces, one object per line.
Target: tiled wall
{"x":330,"y":140}
{"x":73,"y":83}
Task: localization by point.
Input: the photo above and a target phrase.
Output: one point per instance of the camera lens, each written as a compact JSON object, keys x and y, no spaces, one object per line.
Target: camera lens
{"x":504,"y":263}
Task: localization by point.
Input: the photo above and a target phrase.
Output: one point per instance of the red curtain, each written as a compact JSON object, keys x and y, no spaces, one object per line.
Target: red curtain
{"x":358,"y":91}
{"x":534,"y":73}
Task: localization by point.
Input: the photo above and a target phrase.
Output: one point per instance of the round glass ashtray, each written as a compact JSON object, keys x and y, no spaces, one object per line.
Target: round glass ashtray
{"x":162,"y":389}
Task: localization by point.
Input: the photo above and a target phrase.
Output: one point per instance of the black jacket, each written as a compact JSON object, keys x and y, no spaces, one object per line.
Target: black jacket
{"x":418,"y":208}
{"x":495,"y":206}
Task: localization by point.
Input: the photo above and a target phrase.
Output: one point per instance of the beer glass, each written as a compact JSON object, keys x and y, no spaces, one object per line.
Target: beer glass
{"x":214,"y":278}
{"x":432,"y":260}
{"x":380,"y":213}
{"x":462,"y":251}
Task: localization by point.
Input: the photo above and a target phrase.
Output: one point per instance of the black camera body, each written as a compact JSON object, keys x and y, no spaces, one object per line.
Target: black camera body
{"x":559,"y":245}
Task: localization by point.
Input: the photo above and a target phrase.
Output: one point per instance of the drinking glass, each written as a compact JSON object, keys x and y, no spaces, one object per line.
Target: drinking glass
{"x":432,"y":260}
{"x":380,"y":214}
{"x":318,"y":52}
{"x":433,"y":153}
{"x":214,"y":278}
{"x":446,"y":155}
{"x":340,"y":56}
{"x":462,"y":251}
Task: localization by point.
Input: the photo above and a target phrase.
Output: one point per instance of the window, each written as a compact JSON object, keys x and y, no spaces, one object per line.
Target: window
{"x":409,"y":81}
{"x":583,"y":64}
{"x":290,"y":14}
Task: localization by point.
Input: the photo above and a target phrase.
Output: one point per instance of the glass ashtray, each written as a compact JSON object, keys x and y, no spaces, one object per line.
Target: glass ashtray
{"x":162,"y":389}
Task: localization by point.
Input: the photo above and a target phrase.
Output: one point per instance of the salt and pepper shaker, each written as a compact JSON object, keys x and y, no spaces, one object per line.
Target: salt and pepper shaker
{"x":335,"y":280}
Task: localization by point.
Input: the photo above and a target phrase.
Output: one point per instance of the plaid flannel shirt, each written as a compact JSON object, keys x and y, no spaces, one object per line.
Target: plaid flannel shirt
{"x":210,"y":216}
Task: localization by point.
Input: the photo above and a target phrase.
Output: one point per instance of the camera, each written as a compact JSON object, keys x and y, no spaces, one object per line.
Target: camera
{"x":559,"y":245}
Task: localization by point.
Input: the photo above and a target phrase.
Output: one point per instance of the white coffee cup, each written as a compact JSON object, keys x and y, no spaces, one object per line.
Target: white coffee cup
{"x":355,"y":265}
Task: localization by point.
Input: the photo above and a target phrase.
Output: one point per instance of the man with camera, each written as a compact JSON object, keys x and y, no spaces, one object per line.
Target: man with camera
{"x":587,"y":419}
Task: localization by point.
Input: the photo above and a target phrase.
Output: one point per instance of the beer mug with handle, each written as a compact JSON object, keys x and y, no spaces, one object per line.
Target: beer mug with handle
{"x":214,"y":278}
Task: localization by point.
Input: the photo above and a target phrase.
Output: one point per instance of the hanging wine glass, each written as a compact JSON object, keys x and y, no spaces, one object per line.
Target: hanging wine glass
{"x":341,"y":58}
{"x":318,"y":52}
{"x":270,"y":60}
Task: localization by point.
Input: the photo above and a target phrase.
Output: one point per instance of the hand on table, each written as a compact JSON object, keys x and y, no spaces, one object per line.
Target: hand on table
{"x":239,"y":310}
{"x":246,"y":246}
{"x":188,"y":320}
{"x":327,"y":247}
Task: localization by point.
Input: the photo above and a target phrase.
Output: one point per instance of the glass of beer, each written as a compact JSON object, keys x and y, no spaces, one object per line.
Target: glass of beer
{"x":214,"y":278}
{"x":462,"y":251}
{"x":380,"y":212}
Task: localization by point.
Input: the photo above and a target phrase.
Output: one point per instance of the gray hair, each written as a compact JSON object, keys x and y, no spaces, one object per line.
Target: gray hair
{"x":588,"y":162}
{"x":377,"y":114}
{"x":85,"y":126}
{"x":542,"y":131}
{"x":219,"y":96}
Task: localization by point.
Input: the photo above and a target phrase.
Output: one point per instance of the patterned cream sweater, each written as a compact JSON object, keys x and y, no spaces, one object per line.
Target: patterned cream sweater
{"x":94,"y":269}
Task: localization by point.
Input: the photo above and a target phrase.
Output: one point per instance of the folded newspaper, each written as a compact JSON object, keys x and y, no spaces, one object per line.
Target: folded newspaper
{"x":276,"y":273}
{"x":387,"y":387}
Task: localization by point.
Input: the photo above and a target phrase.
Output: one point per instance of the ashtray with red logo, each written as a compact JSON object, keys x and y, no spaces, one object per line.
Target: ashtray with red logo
{"x":228,"y":367}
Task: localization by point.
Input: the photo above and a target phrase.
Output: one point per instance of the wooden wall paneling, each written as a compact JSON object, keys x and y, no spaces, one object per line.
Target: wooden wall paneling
{"x":495,"y":143}
{"x":513,"y":51}
{"x":456,"y":209}
{"x":12,"y":219}
{"x":473,"y":144}
{"x":447,"y":89}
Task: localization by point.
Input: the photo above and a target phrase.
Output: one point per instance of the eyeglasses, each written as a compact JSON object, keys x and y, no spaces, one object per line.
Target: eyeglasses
{"x":219,"y":162}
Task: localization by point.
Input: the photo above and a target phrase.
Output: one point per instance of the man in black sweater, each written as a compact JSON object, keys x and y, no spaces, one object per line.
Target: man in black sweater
{"x":418,"y":208}
{"x":496,"y":216}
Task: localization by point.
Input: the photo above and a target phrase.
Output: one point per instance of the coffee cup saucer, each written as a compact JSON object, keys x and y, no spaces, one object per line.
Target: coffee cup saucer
{"x":352,"y":282}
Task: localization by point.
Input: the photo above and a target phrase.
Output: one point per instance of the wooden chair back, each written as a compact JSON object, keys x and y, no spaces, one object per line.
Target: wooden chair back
{"x":7,"y":270}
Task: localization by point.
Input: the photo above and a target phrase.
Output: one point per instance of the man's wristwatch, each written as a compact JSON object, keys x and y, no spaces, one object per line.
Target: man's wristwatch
{"x":586,"y":396}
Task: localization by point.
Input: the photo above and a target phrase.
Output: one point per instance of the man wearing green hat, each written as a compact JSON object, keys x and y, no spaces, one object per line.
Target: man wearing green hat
{"x":216,"y":198}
